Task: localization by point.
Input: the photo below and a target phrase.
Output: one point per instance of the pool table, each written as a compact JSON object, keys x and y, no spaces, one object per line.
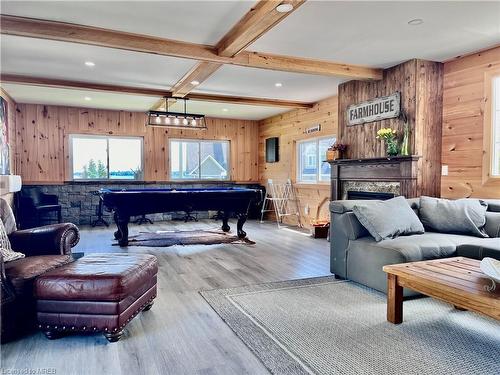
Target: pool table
{"x":125,"y":203}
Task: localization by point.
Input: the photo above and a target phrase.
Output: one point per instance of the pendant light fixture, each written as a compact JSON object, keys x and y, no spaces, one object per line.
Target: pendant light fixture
{"x":168,"y":119}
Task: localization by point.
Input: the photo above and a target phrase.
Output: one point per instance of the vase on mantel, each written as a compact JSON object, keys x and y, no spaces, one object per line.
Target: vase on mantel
{"x":392,"y":147}
{"x":405,"y":145}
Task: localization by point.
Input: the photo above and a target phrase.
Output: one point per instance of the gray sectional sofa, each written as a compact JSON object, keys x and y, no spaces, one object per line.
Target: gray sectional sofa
{"x":355,"y":255}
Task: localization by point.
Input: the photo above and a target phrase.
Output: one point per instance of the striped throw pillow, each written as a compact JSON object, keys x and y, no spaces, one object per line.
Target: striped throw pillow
{"x":7,"y":253}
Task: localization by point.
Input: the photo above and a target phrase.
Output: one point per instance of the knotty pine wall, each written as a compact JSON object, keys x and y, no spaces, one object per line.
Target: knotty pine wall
{"x":289,"y":127}
{"x":420,"y":83}
{"x":464,"y":101}
{"x":42,"y":141}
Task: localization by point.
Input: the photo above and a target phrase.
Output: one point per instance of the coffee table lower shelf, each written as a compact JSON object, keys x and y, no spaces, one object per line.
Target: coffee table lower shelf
{"x":458,"y":281}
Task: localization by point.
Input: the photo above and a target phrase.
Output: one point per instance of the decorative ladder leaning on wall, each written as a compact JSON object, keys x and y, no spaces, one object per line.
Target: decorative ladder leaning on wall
{"x":284,"y":201}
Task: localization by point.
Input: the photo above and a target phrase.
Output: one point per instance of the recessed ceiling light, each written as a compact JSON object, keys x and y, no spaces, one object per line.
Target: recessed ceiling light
{"x":416,"y":22}
{"x":194,"y":83}
{"x":90,"y":63}
{"x":284,"y":8}
{"x":225,"y":109}
{"x":278,"y":84}
{"x":87,"y":98}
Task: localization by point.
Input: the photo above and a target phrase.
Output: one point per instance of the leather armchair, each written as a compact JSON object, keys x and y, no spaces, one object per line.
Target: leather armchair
{"x":46,"y":248}
{"x":33,"y":204}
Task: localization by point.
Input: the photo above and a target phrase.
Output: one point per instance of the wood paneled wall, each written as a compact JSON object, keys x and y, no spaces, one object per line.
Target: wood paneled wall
{"x":289,"y":127}
{"x":420,"y":83}
{"x":464,"y":102}
{"x":42,"y":144}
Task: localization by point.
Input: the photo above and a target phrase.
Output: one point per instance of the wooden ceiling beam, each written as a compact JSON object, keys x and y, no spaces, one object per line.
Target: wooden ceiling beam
{"x":67,"y":32}
{"x":255,"y":23}
{"x":78,"y":85}
{"x":259,"y":19}
{"x":199,"y":73}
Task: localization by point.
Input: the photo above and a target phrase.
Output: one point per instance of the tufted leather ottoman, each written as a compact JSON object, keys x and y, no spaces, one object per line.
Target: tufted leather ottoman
{"x":96,"y":293}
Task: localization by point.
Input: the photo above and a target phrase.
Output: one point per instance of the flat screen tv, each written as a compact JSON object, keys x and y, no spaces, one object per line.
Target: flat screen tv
{"x":272,"y":150}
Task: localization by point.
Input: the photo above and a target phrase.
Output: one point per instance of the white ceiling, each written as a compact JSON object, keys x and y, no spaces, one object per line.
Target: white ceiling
{"x":76,"y":98}
{"x":377,"y":33}
{"x":51,"y":59}
{"x":236,"y":80}
{"x":203,"y":22}
{"x":371,"y":33}
{"x":126,"y":102}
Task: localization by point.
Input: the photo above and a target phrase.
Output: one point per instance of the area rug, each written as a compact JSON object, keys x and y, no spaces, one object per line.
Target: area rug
{"x":190,"y":237}
{"x":326,"y":326}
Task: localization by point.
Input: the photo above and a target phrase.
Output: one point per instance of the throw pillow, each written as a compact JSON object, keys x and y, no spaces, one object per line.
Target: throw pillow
{"x":7,"y":253}
{"x":388,"y":219}
{"x":7,"y":216}
{"x":463,"y":216}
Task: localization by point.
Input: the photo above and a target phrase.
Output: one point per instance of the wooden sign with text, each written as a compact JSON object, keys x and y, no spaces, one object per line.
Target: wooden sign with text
{"x":313,"y":129}
{"x":374,"y":110}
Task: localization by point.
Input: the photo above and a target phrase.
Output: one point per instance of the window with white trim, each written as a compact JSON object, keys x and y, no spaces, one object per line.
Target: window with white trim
{"x":95,"y":157}
{"x":192,"y":159}
{"x":495,"y":154}
{"x":311,"y":154}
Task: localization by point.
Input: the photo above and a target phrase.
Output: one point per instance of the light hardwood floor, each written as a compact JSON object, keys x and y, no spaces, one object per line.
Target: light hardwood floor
{"x":181,"y":334}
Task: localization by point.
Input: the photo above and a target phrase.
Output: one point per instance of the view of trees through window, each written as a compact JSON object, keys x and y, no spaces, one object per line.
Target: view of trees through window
{"x":94,"y":170}
{"x":102,"y":158}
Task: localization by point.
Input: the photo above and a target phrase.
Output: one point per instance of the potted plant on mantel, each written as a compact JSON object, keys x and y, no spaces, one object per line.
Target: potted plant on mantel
{"x":336,"y":151}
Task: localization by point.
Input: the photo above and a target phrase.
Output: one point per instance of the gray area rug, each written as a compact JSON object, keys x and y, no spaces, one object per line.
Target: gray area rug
{"x":187,"y":237}
{"x":326,"y":326}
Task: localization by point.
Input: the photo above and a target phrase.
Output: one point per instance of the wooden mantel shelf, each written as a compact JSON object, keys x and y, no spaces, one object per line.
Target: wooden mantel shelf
{"x":401,"y":169}
{"x":386,"y":159}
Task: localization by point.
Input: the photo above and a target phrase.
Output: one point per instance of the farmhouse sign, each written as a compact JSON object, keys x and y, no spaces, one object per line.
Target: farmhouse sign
{"x":374,"y":110}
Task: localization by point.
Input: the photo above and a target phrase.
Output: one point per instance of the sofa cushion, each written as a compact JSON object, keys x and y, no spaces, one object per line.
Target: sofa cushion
{"x":488,"y":247}
{"x":493,"y":204}
{"x":492,"y":227}
{"x":365,"y":257}
{"x":465,"y":216}
{"x":21,"y":272}
{"x":430,"y":245}
{"x":388,"y":219}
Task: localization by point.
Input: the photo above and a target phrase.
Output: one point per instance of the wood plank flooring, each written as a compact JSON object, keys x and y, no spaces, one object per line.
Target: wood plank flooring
{"x":181,"y":334}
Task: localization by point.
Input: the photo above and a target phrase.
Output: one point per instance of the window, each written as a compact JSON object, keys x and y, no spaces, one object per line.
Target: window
{"x":106,"y":158}
{"x":495,"y":161}
{"x":310,"y":156}
{"x":199,"y":160}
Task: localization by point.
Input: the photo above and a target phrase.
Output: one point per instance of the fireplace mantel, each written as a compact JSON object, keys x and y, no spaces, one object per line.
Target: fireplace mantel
{"x":401,"y":169}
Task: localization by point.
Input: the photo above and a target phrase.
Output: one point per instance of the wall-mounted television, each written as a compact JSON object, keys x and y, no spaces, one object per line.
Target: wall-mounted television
{"x":272,"y":150}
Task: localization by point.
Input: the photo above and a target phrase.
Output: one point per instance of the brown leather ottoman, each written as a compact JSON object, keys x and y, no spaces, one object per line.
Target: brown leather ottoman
{"x":96,"y":293}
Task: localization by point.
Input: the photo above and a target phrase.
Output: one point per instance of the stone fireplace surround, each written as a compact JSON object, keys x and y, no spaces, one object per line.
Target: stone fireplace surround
{"x":370,"y":186}
{"x":396,"y":175}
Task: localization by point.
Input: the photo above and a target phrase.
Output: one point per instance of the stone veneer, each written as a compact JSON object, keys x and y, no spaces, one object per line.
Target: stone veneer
{"x":371,"y":186}
{"x":79,"y":205}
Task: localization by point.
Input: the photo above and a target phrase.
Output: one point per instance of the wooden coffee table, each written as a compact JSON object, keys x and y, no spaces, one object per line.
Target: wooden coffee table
{"x":458,"y":281}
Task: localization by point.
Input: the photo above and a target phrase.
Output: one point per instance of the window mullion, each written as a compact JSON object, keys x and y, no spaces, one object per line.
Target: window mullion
{"x":199,"y":160}
{"x":107,"y":156}
{"x":318,"y":162}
